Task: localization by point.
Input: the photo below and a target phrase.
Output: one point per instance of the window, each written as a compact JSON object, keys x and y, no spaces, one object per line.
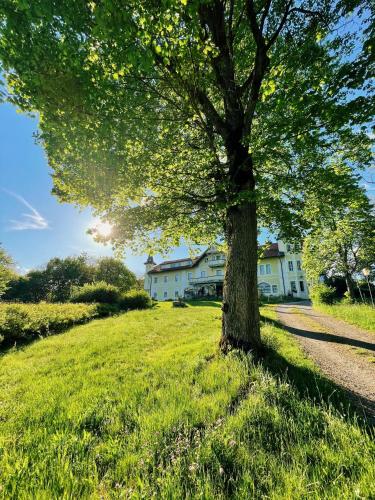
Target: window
{"x":268,"y":268}
{"x":155,"y":295}
{"x":261,"y":269}
{"x":298,"y":247}
{"x":176,"y":277}
{"x":293,"y":286}
{"x":155,"y":280}
{"x":165,"y":295}
{"x":176,"y":293}
{"x":190,"y":276}
{"x":290,"y":265}
{"x":264,"y":288}
{"x":219,"y":272}
{"x":289,"y":248}
{"x":218,"y":257}
{"x":274,"y":289}
{"x":203,"y":274}
{"x":298,"y":265}
{"x":165,"y":279}
{"x":302,"y":286}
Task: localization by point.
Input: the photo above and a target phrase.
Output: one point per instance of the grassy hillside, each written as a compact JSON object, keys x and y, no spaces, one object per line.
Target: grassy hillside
{"x":142,"y":405}
{"x":357,"y":314}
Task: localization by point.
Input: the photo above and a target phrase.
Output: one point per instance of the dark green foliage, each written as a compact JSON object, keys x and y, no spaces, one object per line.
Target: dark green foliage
{"x":63,"y":274}
{"x":135,"y":299}
{"x":34,"y":287}
{"x":114,"y":272}
{"x":104,"y":309}
{"x":323,"y":294}
{"x":56,"y":281}
{"x":99,"y":292}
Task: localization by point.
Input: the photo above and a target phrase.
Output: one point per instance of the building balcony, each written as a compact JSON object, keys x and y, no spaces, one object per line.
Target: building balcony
{"x":206,"y":280}
{"x":216,"y":263}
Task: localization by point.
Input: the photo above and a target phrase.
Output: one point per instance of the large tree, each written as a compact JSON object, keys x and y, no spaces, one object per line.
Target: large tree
{"x":342,"y":241}
{"x":194,"y":118}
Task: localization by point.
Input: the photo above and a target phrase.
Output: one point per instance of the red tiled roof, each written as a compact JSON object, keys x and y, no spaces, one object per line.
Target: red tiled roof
{"x":270,"y":251}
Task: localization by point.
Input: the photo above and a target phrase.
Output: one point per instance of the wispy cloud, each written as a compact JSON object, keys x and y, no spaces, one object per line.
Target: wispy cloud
{"x":31,"y":220}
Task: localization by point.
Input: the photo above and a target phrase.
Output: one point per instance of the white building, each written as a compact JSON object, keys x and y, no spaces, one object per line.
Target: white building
{"x":279,"y":273}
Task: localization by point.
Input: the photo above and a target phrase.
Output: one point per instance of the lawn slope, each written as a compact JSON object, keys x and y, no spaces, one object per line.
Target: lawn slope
{"x":142,"y":405}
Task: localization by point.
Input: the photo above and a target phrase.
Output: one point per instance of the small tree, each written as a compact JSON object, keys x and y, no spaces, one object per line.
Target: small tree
{"x":6,"y":270}
{"x":114,"y":272}
{"x":344,"y":241}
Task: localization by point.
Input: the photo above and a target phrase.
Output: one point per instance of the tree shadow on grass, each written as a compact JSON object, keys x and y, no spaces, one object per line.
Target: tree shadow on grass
{"x":204,"y":303}
{"x":317,"y":387}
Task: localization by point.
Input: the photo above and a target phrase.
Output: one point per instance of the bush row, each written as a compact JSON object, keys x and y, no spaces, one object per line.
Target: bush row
{"x":103,"y":293}
{"x":21,"y":322}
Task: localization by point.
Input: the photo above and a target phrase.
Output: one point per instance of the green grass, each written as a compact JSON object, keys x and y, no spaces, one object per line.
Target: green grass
{"x":142,"y":406}
{"x":357,"y":314}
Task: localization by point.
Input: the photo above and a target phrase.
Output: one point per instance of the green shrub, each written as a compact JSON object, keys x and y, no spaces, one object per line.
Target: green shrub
{"x":99,"y":292}
{"x":323,"y":294}
{"x":104,"y":310}
{"x":27,"y":321}
{"x":135,"y":299}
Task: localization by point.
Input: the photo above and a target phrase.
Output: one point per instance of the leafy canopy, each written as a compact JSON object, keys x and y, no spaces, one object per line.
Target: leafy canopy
{"x":143,"y":105}
{"x":6,"y":270}
{"x":343,"y":243}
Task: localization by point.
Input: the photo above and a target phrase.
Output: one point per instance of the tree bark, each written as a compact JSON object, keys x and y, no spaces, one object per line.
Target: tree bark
{"x":240,"y":327}
{"x":350,"y":287}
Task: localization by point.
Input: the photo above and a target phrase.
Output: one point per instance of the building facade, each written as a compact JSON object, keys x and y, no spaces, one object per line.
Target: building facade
{"x":279,"y":273}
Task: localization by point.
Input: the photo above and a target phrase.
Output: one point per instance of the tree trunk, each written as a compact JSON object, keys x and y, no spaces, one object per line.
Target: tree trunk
{"x":350,"y":287}
{"x":240,"y":302}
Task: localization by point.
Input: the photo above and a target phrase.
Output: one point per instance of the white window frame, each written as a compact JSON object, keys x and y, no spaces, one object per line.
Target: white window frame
{"x":165,"y":279}
{"x":190,"y":276}
{"x":262,"y":270}
{"x":165,"y":295}
{"x":203,"y":274}
{"x":268,"y":269}
{"x":293,"y":286}
{"x":155,"y":279}
{"x":290,"y":265}
{"x":275,"y":289}
{"x":176,"y":277}
{"x":299,"y":265}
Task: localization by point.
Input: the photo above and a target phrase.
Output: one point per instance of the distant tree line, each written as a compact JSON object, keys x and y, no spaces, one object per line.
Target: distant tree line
{"x":57,"y":280}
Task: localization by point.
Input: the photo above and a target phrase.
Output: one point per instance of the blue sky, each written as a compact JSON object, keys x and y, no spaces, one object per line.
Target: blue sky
{"x":34,"y":226}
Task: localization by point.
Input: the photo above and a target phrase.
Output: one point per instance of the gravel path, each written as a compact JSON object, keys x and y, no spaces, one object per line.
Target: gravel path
{"x":345,"y":353}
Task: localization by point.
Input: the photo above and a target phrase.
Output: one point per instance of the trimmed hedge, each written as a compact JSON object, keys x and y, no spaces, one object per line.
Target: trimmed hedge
{"x":99,"y":292}
{"x":21,"y":322}
{"x":135,"y":299}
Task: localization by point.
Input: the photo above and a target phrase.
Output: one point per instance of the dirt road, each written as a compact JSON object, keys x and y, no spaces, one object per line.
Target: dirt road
{"x":345,"y":353}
